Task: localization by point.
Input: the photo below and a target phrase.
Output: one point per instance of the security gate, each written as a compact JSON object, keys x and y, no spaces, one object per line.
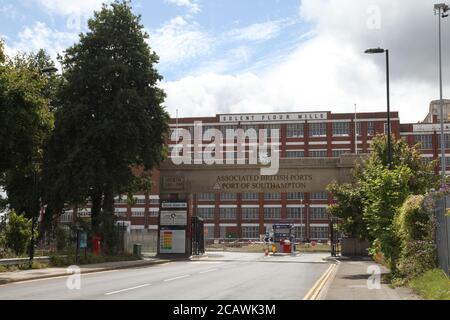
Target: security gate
{"x":334,"y":237}
{"x":198,"y":236}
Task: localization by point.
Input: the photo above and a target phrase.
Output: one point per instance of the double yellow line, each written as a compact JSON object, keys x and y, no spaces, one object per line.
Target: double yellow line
{"x":318,"y":286}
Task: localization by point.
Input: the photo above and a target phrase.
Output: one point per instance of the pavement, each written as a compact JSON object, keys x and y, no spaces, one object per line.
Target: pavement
{"x":361,"y":279}
{"x":35,"y":274}
{"x":219,"y":276}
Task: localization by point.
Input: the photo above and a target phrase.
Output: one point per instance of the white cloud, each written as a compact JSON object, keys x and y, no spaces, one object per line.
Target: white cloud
{"x":178,"y":41}
{"x":257,"y":32}
{"x":68,"y":7}
{"x":330,"y":70}
{"x":191,"y":5}
{"x":40,"y":36}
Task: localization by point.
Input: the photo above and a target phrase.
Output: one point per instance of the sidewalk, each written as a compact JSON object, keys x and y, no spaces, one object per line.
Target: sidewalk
{"x":350,"y":283}
{"x":26,"y":275}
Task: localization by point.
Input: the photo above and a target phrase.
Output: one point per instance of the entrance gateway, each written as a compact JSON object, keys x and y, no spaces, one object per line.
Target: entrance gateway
{"x":179,"y":184}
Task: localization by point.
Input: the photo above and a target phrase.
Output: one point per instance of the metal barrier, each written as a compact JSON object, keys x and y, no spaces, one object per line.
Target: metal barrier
{"x":442,"y":233}
{"x":19,"y":261}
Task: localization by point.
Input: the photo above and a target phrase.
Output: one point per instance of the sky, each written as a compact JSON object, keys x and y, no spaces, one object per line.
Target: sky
{"x":242,"y":56}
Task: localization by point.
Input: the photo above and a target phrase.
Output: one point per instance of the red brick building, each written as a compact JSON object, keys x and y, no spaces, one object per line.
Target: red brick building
{"x":302,"y":135}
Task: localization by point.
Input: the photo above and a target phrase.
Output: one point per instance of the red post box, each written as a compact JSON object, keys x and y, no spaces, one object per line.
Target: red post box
{"x":96,"y":245}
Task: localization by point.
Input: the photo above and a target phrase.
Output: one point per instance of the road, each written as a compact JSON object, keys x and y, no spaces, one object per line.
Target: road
{"x":222,"y":276}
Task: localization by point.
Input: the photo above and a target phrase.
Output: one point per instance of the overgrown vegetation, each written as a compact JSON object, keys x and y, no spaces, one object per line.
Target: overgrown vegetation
{"x":386,"y":205}
{"x":432,"y":285}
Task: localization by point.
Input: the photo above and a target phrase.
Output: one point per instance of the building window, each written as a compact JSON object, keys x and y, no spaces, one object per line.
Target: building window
{"x":272,"y":213}
{"x":205,"y":135}
{"x":447,"y":161}
{"x":295,"y":154}
{"x":425,"y":141}
{"x":206,"y":197}
{"x":386,"y":128}
{"x":318,"y":129}
{"x":295,"y":196}
{"x":250,"y":196}
{"x":227,"y":196}
{"x":341,"y":128}
{"x":272,"y":196}
{"x":317,"y":154}
{"x":319,"y":233}
{"x":250,"y":232}
{"x":319,"y":195}
{"x":295,"y":130}
{"x":446,"y":141}
{"x":206,"y":213}
{"x":299,"y":232}
{"x":250,"y":213}
{"x":228,"y":213}
{"x":228,"y":127}
{"x":370,"y":128}
{"x":338,"y":153}
{"x":358,"y":129}
{"x":318,"y":214}
{"x":120,"y":214}
{"x":67,"y":217}
{"x":138,"y":213}
{"x":296,"y":213}
{"x":271,"y":129}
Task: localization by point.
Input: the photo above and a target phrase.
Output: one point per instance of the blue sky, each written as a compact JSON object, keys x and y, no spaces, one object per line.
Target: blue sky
{"x":237,"y":56}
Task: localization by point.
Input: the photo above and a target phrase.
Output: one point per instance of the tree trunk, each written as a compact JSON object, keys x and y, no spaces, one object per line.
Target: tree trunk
{"x":96,"y":210}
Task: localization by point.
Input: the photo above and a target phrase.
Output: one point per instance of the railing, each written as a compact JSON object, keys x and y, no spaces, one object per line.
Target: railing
{"x":19,"y":261}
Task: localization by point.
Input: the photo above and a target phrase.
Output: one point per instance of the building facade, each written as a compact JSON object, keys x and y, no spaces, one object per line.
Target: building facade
{"x":309,"y":144}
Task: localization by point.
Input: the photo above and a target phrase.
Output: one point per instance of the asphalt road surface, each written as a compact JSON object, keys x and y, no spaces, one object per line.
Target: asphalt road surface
{"x":222,"y":276}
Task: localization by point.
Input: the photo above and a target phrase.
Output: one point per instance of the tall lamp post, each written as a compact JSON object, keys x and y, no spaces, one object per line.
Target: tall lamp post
{"x":380,"y":50}
{"x":35,"y":202}
{"x":440,"y":10}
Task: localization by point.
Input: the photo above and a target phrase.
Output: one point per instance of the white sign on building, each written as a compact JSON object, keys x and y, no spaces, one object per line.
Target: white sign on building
{"x":265,"y":117}
{"x":173,"y":218}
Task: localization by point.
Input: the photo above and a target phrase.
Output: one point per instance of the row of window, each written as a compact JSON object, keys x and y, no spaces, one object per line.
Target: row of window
{"x":124,"y":200}
{"x":267,"y":196}
{"x":426,"y":141}
{"x":295,"y":130}
{"x":299,"y":232}
{"x":269,"y":213}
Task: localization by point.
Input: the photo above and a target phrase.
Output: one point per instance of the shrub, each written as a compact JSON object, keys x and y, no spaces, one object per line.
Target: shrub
{"x":415,"y":228}
{"x":18,"y":233}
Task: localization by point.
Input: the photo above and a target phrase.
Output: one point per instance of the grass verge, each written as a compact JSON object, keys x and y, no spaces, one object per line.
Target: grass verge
{"x":432,"y":285}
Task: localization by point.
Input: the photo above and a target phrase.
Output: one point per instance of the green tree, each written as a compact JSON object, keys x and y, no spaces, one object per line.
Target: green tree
{"x":370,"y":204}
{"x":111,"y":117}
{"x":26,"y":122}
{"x":349,"y":208}
{"x":17,"y":233}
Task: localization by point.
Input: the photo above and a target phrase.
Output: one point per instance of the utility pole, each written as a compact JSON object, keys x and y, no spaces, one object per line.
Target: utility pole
{"x":441,"y":9}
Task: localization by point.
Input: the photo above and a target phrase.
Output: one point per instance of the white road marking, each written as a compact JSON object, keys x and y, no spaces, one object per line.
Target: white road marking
{"x":128,"y":289}
{"x":181,"y":277}
{"x":206,"y":271}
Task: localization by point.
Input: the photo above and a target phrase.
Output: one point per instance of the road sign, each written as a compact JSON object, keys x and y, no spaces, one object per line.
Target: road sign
{"x":83,"y":241}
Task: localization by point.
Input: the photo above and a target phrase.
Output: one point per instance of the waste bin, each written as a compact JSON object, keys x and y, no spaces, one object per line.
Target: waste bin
{"x":137,"y":249}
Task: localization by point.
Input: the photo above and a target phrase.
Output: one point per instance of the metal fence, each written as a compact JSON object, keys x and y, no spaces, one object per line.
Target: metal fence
{"x":442,"y":233}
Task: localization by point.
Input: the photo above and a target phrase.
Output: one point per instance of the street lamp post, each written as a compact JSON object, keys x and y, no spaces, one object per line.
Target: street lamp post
{"x":440,"y":10}
{"x":380,"y":50}
{"x":35,"y":203}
